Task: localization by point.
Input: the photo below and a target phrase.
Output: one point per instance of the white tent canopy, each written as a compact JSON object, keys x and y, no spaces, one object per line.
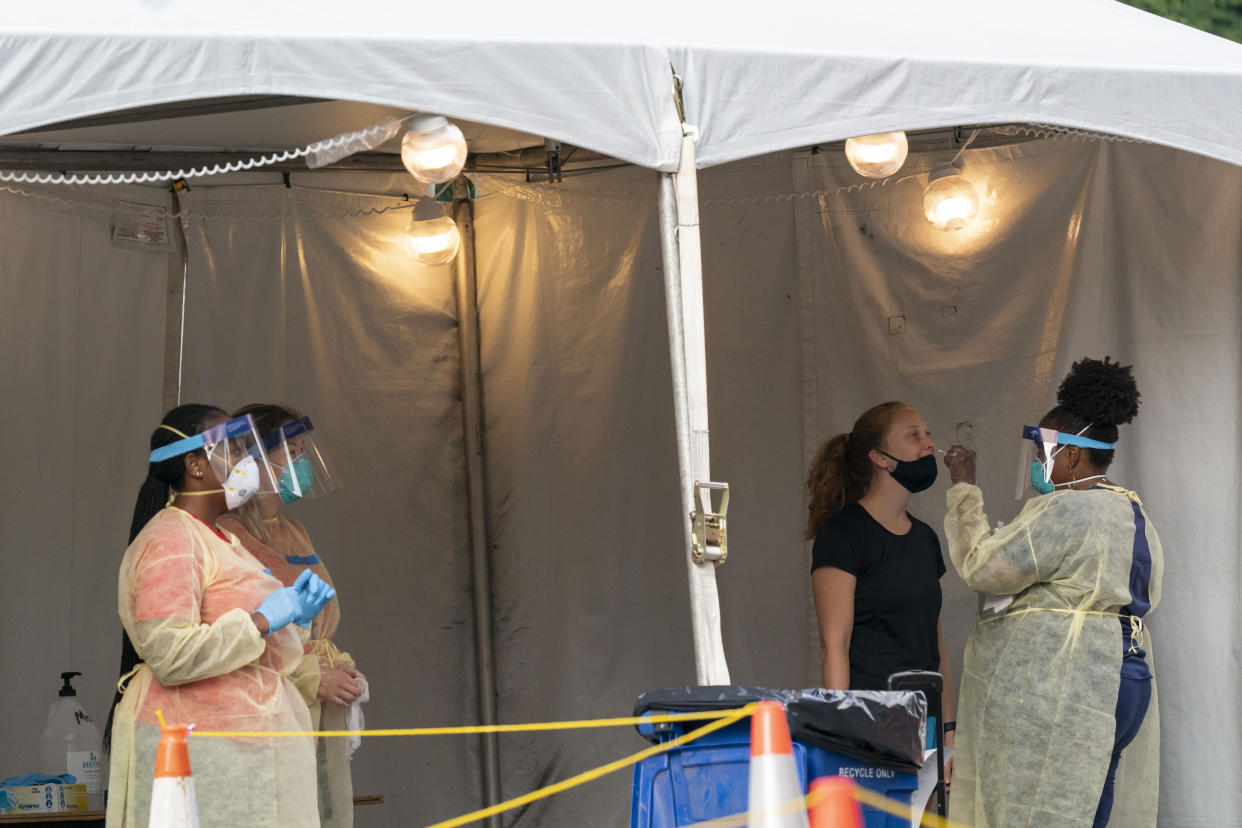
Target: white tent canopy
{"x":789,"y":74}
{"x":535,"y":72}
{"x":798,"y":73}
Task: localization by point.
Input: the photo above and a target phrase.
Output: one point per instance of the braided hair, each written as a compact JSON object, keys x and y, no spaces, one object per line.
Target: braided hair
{"x":1096,"y":395}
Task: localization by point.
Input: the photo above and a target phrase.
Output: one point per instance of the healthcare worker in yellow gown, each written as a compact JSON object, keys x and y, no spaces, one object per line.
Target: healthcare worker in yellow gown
{"x":1056,"y":686}
{"x":329,"y":678}
{"x":211,"y":639}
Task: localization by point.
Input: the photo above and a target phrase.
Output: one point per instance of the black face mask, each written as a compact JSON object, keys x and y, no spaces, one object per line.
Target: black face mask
{"x":915,"y":475}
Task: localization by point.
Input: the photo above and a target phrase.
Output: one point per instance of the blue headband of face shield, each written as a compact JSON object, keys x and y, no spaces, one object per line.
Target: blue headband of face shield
{"x":1048,"y":435}
{"x":287,"y":432}
{"x":215,"y":434}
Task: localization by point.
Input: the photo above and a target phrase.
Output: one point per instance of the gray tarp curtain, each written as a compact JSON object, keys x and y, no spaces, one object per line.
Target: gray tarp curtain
{"x":1081,"y":248}
{"x":333,"y":317}
{"x":81,"y":368}
{"x":589,"y":592}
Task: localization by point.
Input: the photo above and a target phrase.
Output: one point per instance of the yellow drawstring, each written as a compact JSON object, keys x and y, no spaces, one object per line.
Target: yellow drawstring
{"x":181,"y":434}
{"x":330,"y":651}
{"x":1136,"y":623}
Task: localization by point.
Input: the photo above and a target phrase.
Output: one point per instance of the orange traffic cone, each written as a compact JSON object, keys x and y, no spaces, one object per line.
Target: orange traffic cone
{"x":833,"y":804}
{"x":775,"y":790}
{"x":173,"y":804}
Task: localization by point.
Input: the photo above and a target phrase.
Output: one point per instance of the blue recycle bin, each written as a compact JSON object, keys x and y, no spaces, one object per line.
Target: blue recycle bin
{"x":873,"y":737}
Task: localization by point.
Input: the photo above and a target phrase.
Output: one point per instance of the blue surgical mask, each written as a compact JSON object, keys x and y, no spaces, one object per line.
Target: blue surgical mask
{"x":305,"y":479}
{"x":1037,"y":479}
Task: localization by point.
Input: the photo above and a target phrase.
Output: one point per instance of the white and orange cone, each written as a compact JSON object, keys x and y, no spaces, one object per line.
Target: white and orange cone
{"x":775,"y":790}
{"x":833,"y":804}
{"x":173,"y":804}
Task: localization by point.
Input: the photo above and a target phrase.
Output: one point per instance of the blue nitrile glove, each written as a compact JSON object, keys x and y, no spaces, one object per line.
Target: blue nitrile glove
{"x":314,"y":593}
{"x":284,"y":606}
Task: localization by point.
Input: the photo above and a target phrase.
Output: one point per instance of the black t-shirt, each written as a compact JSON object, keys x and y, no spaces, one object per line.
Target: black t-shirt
{"x":896,"y":597}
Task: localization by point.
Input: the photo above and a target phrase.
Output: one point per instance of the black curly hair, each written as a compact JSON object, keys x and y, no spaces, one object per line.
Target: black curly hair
{"x":1096,"y":395}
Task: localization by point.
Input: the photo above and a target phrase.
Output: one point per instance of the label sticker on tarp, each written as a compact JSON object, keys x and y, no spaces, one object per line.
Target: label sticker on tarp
{"x":140,"y":226}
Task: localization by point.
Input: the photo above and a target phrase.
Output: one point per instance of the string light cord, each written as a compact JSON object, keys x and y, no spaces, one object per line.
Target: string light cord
{"x":973,"y":135}
{"x":1064,"y":133}
{"x":325,"y":146}
{"x":555,"y":196}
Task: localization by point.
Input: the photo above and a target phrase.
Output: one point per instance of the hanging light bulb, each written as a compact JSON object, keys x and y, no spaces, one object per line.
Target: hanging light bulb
{"x":879,"y":155}
{"x":950,"y":201}
{"x":433,"y":150}
{"x":432,"y":237}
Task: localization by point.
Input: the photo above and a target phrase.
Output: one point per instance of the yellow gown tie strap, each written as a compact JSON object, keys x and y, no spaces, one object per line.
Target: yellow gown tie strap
{"x":1136,"y":634}
{"x":1126,"y":493}
{"x":123,"y":682}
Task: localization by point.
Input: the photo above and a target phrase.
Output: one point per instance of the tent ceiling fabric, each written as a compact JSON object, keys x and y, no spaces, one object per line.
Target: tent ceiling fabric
{"x":249,"y":127}
{"x":800,"y":73}
{"x":530,"y":74}
{"x":849,"y":69}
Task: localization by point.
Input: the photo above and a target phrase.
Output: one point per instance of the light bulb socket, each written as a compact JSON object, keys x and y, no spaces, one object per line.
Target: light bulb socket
{"x":426,"y":209}
{"x":425,"y":122}
{"x":943,"y":172}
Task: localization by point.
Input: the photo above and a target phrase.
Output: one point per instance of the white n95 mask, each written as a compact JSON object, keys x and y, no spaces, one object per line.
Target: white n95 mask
{"x":243,"y":483}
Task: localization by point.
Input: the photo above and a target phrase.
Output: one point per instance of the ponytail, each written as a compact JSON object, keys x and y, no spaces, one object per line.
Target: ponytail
{"x":842,"y":469}
{"x":162,"y":478}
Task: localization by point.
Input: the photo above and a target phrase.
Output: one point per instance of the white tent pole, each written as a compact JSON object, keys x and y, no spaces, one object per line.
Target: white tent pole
{"x":476,"y":488}
{"x":683,"y":293}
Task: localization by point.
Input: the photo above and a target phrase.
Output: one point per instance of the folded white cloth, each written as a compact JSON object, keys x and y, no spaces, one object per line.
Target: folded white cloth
{"x":354,"y":720}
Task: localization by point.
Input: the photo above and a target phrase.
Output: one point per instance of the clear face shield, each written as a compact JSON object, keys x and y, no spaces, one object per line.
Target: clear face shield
{"x":300,"y":468}
{"x":1040,"y":446}
{"x":235,"y":453}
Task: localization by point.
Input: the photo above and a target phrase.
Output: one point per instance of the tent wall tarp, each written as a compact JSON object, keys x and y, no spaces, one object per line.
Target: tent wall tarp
{"x":333,"y":317}
{"x":82,"y":338}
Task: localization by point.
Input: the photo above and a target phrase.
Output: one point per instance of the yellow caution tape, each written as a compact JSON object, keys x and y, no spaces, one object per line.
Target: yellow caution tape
{"x":591,"y":775}
{"x":863,"y":795}
{"x":465,"y":730}
{"x":717,"y":719}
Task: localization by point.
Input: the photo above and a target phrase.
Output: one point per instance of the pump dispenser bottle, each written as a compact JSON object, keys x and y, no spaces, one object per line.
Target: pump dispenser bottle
{"x":70,"y":744}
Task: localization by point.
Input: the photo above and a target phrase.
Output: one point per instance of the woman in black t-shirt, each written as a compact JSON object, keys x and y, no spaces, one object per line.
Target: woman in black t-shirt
{"x":875,"y":568}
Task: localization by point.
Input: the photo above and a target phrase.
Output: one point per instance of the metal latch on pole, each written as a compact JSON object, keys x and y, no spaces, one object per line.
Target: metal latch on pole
{"x":708,"y":529}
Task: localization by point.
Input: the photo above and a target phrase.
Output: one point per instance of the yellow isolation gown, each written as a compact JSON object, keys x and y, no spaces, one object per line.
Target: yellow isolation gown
{"x":185,"y":598}
{"x":1040,"y":675}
